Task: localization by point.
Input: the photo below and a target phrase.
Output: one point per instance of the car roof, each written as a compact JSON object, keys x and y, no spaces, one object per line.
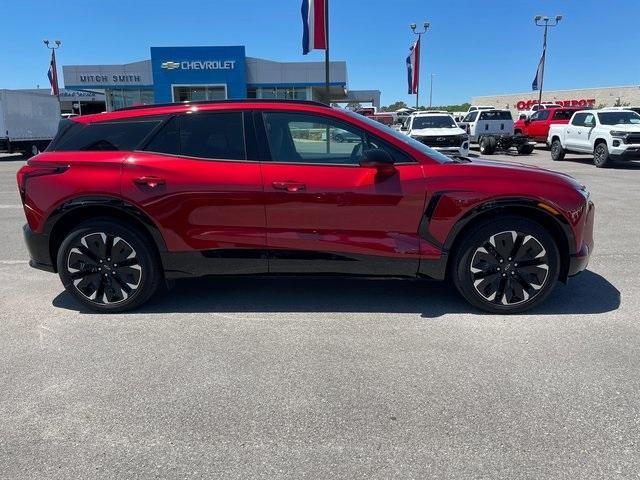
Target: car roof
{"x":426,"y":114}
{"x":183,"y":107}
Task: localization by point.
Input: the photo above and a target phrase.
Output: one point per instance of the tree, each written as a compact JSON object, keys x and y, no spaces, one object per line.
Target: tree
{"x":393,"y":107}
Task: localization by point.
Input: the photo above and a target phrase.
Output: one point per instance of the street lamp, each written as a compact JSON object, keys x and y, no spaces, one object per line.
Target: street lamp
{"x":543,"y":21}
{"x":425,"y":27}
{"x":53,"y":47}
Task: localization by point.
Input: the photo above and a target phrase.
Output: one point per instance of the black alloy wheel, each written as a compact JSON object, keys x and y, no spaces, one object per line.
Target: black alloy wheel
{"x":108,"y":266}
{"x":509,"y":268}
{"x":601,"y":155}
{"x":507,"y":265}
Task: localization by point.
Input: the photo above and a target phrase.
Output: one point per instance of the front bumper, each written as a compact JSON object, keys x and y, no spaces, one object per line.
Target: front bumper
{"x":578,"y":261}
{"x":463,"y":150}
{"x":38,"y":247}
{"x":630,"y":152}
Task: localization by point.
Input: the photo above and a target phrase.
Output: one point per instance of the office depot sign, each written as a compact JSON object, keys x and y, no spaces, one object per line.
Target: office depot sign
{"x":583,"y":102}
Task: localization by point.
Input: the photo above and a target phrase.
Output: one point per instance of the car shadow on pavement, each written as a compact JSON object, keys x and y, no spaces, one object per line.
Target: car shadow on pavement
{"x":587,"y":293}
{"x":588,"y":160}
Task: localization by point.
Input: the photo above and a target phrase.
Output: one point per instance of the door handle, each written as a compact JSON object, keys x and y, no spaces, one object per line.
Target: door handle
{"x":149,"y":181}
{"x":289,"y":186}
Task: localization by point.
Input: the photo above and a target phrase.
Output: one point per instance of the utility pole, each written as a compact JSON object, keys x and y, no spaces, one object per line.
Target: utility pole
{"x":541,"y":21}
{"x":425,"y":27}
{"x":431,"y":90}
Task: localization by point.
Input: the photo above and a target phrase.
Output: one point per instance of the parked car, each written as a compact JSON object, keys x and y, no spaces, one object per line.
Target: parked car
{"x":473,"y":108}
{"x":536,"y":108}
{"x":632,"y":108}
{"x":494,"y":130}
{"x":339,"y":135}
{"x":123,"y":202}
{"x":537,"y":126}
{"x":439,"y":131}
{"x":607,"y":134}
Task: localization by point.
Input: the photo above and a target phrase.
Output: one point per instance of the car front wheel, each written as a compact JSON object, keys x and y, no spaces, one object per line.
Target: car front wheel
{"x":601,"y":155}
{"x":506,"y":266}
{"x":108,"y":266}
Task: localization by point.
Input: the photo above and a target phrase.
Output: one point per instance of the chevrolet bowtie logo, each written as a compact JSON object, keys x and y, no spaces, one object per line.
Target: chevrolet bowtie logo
{"x":170,"y":65}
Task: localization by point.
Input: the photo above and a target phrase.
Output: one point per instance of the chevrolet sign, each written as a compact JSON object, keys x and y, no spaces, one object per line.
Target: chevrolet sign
{"x":200,"y":65}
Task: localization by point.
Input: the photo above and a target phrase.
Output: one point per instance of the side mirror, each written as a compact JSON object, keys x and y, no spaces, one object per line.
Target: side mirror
{"x":379,"y":159}
{"x":404,"y":128}
{"x":523,"y":116}
{"x":590,"y":124}
{"x":527,"y":120}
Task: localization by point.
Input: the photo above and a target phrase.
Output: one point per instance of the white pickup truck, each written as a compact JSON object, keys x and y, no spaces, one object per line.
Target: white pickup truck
{"x":607,"y":134}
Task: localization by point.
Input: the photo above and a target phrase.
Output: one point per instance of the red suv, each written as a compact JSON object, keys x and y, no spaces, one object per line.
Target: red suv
{"x":122,"y":203}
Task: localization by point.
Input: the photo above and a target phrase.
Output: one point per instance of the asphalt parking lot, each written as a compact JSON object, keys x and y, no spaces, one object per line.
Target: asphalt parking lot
{"x":320,"y":378}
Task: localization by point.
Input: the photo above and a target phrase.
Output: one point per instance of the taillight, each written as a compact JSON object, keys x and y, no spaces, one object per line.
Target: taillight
{"x":36,"y":170}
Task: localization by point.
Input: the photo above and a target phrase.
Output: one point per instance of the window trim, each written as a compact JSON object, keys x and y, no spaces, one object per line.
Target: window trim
{"x":366,"y":133}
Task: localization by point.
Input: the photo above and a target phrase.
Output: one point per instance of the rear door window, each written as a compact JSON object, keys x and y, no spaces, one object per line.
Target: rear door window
{"x":578,"y":119}
{"x":495,"y":115}
{"x":218,"y":135}
{"x":109,"y":136}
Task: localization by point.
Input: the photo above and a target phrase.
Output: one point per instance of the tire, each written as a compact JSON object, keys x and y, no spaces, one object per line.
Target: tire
{"x":487,"y":279}
{"x":109,"y":266}
{"x":601,"y":155}
{"x":31,"y":151}
{"x":557,"y":152}
{"x":488,"y":145}
{"x":525,"y":149}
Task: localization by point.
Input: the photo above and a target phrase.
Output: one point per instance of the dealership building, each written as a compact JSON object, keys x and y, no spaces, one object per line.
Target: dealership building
{"x":179,"y":74}
{"x":583,"y":97}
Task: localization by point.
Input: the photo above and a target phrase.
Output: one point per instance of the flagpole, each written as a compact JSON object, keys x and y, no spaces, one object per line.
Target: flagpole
{"x":425,"y":26}
{"x":546,"y":26}
{"x":326,"y":51}
{"x":53,"y":49}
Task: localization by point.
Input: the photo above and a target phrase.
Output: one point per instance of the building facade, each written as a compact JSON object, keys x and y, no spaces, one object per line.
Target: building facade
{"x":179,"y":74}
{"x":583,"y":97}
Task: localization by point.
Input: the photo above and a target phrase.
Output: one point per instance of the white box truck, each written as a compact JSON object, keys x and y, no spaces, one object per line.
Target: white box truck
{"x":28,"y":121}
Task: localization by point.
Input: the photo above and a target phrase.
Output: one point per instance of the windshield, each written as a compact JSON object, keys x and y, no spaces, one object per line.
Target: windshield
{"x":619,"y":118}
{"x":433,"y":121}
{"x":406,"y":139}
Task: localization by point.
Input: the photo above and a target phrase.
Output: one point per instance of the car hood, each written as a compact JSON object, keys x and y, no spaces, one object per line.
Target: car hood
{"x":434,"y":132}
{"x":500,"y":168}
{"x":624,"y":127}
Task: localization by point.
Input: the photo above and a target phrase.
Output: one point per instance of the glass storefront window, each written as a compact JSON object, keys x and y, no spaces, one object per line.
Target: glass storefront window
{"x":280,"y":93}
{"x":198,"y":93}
{"x":120,"y":98}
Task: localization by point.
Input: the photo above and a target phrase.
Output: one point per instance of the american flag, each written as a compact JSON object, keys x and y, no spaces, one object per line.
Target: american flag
{"x":53,"y":75}
{"x":413,"y":67}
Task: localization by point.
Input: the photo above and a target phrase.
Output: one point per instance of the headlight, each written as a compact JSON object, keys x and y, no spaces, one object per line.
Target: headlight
{"x":584,"y":192}
{"x":617,"y":133}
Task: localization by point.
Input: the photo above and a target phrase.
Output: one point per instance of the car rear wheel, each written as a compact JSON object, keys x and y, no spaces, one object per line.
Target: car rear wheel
{"x":601,"y":155}
{"x":506,"y":266}
{"x":108,"y":266}
{"x":525,"y":149}
{"x":488,"y":145}
{"x":557,"y":152}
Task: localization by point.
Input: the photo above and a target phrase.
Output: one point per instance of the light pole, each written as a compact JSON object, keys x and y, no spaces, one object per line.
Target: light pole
{"x":425,"y":27}
{"x":53,"y":47}
{"x":431,"y":89}
{"x":541,"y":21}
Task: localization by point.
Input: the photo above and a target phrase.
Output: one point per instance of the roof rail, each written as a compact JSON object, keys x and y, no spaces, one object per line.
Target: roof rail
{"x":214,"y":102}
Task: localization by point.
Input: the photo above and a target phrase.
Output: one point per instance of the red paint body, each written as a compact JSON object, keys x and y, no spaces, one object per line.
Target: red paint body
{"x":201,"y":205}
{"x":538,"y":130}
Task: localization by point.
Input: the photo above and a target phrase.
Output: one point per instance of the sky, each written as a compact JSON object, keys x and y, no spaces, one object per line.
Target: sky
{"x":473,"y":47}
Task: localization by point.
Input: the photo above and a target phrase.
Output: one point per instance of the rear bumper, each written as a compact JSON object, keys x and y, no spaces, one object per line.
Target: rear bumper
{"x":38,"y":247}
